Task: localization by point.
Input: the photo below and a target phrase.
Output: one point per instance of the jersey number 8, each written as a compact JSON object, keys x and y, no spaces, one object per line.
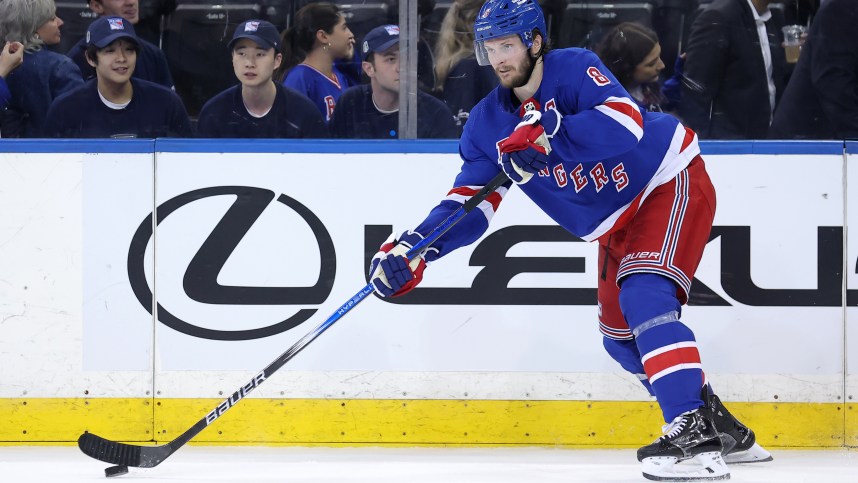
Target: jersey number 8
{"x":598,"y":77}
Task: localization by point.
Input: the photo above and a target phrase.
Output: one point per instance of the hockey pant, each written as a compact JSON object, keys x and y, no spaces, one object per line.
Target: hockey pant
{"x":646,"y":272}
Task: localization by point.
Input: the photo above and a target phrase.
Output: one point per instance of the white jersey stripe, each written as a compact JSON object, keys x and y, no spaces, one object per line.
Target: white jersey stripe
{"x":623,"y":119}
{"x":486,"y":207}
{"x":672,"y":369}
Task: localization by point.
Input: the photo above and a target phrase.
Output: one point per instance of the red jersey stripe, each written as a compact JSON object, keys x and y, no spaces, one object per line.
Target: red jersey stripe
{"x":466,"y":191}
{"x":628,"y":110}
{"x":495,"y":199}
{"x":689,"y":136}
{"x":674,"y":357}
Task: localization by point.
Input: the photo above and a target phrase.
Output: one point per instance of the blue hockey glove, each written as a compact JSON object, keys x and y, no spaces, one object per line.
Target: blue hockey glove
{"x":390,"y":273}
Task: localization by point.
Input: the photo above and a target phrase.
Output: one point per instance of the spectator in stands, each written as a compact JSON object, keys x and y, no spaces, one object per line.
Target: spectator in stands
{"x":821,"y":99}
{"x":259,"y":107}
{"x":459,"y":80}
{"x":151,"y":63}
{"x":318,"y":37}
{"x":11,"y":58}
{"x":633,"y":54}
{"x":49,"y":31}
{"x":44,"y":75}
{"x":114,"y":104}
{"x":735,"y":70}
{"x":372,"y":111}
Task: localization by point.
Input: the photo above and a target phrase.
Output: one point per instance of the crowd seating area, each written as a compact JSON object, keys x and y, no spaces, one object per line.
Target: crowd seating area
{"x":711,"y":63}
{"x":193,"y":33}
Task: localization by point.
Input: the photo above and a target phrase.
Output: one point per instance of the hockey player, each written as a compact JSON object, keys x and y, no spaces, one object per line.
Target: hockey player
{"x":565,"y":131}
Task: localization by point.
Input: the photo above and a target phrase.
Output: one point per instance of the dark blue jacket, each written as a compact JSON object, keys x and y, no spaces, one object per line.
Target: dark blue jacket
{"x":821,"y":100}
{"x":725,"y":94}
{"x":43,"y":77}
{"x":357,"y":117}
{"x":5,"y":95}
{"x":293,"y":115}
{"x":154,"y":112}
{"x":466,"y":85}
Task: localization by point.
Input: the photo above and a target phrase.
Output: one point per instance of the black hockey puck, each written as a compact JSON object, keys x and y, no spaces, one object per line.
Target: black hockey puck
{"x":115,"y":471}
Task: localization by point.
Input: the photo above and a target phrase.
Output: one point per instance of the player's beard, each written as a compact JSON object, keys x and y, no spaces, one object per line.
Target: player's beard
{"x":523,"y":72}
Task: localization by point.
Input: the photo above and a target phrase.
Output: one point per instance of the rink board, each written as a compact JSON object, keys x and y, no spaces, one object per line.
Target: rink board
{"x":81,"y":350}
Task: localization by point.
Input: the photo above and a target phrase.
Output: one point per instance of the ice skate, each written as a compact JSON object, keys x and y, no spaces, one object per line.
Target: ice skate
{"x":739,"y":441}
{"x":690,"y":450}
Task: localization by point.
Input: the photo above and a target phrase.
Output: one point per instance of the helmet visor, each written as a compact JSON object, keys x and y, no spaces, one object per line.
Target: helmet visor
{"x":497,"y":50}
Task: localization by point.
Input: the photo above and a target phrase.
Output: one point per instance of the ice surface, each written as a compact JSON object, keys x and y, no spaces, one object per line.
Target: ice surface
{"x":66,"y":464}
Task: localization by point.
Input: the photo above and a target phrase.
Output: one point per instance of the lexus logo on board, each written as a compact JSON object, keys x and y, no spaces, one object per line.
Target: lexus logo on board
{"x":200,"y":278}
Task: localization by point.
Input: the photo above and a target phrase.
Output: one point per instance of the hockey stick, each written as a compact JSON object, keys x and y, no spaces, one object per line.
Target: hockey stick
{"x":148,"y":456}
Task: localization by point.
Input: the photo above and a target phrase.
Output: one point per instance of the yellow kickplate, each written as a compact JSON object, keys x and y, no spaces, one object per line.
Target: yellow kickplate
{"x":405,"y":422}
{"x":58,"y":420}
{"x":851,"y":424}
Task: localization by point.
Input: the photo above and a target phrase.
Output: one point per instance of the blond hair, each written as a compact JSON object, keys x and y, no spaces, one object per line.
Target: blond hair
{"x":456,"y":41}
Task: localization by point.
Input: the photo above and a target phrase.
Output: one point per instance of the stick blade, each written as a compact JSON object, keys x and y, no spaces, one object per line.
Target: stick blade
{"x":110,"y":451}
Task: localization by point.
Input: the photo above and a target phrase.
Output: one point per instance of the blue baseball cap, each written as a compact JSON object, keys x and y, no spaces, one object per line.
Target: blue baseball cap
{"x":264,"y":33}
{"x":379,"y":39}
{"x":105,"y":30}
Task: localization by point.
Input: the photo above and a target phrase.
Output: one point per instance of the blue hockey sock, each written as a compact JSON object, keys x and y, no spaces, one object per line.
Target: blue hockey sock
{"x":672,"y":364}
{"x":626,"y":353}
{"x":668,"y":349}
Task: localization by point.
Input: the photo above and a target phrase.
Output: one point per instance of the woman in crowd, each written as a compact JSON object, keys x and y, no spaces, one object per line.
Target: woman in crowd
{"x":632,"y":52}
{"x":318,"y":38}
{"x":459,"y":80}
{"x":44,"y":75}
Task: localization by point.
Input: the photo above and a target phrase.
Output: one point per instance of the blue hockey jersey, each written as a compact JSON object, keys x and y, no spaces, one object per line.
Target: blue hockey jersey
{"x":318,"y":87}
{"x":606,"y":157}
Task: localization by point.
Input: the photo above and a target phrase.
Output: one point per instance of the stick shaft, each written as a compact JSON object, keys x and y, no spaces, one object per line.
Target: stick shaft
{"x":149,"y":456}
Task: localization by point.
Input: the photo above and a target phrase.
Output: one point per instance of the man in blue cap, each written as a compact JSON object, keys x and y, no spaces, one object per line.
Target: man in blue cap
{"x":114,"y":104}
{"x":151,"y":62}
{"x":372,"y":111}
{"x":258,"y":107}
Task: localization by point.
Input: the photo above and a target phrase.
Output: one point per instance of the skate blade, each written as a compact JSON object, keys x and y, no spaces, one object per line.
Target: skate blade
{"x":703,"y":467}
{"x":754,"y":454}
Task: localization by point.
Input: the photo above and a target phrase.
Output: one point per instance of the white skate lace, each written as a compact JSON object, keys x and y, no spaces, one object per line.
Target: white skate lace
{"x":675,"y":427}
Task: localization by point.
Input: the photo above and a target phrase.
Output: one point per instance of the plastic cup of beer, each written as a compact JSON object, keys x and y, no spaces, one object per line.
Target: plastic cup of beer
{"x":793,"y":38}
